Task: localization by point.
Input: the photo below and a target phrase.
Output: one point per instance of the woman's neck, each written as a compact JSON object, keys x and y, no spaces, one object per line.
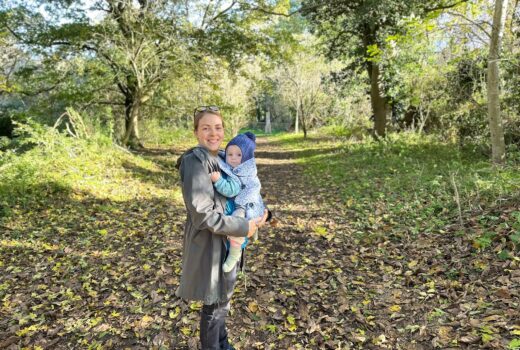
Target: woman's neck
{"x":215,"y":153}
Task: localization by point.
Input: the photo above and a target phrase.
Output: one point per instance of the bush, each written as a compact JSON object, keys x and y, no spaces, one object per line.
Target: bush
{"x":155,"y":132}
{"x":39,"y":157}
{"x":409,"y":176}
{"x":357,"y":132}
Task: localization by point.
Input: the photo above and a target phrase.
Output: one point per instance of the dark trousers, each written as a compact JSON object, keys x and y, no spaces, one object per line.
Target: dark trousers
{"x":213,"y":333}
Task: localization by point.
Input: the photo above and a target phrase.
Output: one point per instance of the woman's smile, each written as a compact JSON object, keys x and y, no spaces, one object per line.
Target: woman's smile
{"x":210,"y":132}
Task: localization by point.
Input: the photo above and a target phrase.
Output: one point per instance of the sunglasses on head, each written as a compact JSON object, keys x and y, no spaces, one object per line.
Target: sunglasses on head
{"x":205,"y":109}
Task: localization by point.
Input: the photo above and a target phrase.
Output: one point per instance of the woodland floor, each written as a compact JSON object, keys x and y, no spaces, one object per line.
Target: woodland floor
{"x":91,"y":273}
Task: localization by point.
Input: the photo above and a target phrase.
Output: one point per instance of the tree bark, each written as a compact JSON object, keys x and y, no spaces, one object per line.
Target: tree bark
{"x":498,"y":148}
{"x":378,"y":102}
{"x":131,"y":137}
{"x":377,"y":99}
{"x":302,"y":117}
{"x":268,"y":122}
{"x":297,"y":121}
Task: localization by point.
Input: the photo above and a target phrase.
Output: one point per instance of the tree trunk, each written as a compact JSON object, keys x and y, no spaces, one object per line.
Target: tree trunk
{"x":297,"y":122}
{"x":268,"y":122}
{"x":131,"y":137}
{"x":498,"y":148}
{"x":378,"y":102}
{"x":302,"y":117}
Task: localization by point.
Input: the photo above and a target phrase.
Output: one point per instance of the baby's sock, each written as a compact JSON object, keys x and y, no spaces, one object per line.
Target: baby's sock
{"x":232,"y":258}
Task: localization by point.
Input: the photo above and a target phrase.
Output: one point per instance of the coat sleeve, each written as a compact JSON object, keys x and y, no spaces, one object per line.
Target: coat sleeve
{"x":198,"y":194}
{"x":227,"y":187}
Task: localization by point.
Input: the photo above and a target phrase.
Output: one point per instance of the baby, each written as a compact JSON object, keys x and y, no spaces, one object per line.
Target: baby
{"x":238,"y":178}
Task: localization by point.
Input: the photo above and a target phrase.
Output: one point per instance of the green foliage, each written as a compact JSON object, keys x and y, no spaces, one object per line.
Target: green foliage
{"x":245,"y":60}
{"x":48,"y":163}
{"x":135,"y":56}
{"x":25,"y":177}
{"x":485,"y":240}
{"x":514,"y":344}
{"x":405,"y":180}
{"x":157,"y":133}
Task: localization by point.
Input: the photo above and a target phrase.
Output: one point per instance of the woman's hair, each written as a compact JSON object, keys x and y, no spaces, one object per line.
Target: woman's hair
{"x":198,"y":116}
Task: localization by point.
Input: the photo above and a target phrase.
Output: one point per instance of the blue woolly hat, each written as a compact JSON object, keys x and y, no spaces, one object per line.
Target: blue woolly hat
{"x":246,"y":143}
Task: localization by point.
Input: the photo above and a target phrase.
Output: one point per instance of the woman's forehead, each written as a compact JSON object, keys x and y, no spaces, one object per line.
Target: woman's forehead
{"x":210,"y":119}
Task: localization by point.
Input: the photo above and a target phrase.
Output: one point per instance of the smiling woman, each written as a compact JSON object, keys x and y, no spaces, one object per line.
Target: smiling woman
{"x":206,"y":231}
{"x":209,"y":128}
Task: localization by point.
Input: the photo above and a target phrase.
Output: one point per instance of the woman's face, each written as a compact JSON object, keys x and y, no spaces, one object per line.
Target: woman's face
{"x":210,"y":132}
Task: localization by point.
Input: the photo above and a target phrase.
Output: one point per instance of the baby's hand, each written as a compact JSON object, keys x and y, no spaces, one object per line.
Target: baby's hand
{"x":215,"y":176}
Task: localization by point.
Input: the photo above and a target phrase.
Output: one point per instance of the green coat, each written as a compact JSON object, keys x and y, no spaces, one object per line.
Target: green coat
{"x":205,"y":232}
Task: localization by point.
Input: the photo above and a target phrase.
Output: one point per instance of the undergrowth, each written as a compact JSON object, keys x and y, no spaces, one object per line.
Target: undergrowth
{"x":46,"y":164}
{"x":415,"y":184}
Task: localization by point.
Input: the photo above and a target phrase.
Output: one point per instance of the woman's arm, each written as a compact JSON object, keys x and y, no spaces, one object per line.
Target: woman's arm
{"x":198,"y":193}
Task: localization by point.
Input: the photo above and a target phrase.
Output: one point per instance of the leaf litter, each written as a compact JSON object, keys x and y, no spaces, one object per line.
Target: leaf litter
{"x":88,"y":272}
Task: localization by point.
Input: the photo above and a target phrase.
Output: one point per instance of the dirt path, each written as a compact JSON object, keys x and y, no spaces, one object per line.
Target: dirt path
{"x":316,"y":281}
{"x":300,"y":270}
{"x":82,"y":271}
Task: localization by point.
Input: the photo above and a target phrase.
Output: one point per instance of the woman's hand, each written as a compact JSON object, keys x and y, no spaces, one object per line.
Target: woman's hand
{"x":256,"y":223}
{"x":261,"y":221}
{"x":252,"y":228}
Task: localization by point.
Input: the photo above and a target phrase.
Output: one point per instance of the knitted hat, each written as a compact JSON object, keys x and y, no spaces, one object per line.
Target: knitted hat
{"x":246,"y":143}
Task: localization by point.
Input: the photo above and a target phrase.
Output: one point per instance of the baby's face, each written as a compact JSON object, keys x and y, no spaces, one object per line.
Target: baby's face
{"x":233,"y":156}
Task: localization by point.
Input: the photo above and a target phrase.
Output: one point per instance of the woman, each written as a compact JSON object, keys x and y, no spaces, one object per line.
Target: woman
{"x":206,"y":230}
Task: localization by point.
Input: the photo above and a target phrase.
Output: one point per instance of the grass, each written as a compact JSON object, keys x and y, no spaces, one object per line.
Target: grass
{"x":261,"y":132}
{"x":54,"y":164}
{"x":409,"y":182}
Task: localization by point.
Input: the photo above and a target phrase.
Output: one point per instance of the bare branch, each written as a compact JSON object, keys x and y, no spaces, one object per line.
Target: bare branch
{"x":336,"y":38}
{"x":206,"y":11}
{"x":477,"y":24}
{"x":446,"y":27}
{"x":223,"y":12}
{"x":444,"y":7}
{"x":16,"y":35}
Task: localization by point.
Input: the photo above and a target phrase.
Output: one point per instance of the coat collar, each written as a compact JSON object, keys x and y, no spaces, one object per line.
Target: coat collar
{"x":201,"y":153}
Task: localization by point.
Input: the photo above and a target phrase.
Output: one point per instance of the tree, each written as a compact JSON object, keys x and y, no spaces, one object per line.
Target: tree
{"x":359,"y":28}
{"x":493,"y":83}
{"x":140,"y":43}
{"x":302,"y":85}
